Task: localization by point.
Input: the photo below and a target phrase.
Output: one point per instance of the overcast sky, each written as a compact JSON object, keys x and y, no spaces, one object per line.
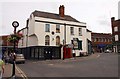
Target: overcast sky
{"x":96,"y":13}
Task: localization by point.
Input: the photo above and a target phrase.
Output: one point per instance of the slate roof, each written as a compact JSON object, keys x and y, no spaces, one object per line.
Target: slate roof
{"x":54,"y":16}
{"x":101,"y":34}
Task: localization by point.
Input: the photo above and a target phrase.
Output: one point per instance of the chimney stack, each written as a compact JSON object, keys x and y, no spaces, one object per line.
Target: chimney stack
{"x":61,"y":10}
{"x":113,"y":19}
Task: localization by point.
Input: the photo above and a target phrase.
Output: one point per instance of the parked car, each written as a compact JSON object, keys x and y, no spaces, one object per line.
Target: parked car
{"x":108,"y":51}
{"x":118,"y":51}
{"x":20,"y":58}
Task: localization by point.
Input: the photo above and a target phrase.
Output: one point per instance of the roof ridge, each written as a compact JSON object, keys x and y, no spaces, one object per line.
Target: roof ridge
{"x":48,"y":12}
{"x":54,"y":16}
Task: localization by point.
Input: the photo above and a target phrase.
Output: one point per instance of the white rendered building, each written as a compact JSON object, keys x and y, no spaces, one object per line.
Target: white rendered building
{"x":49,"y":29}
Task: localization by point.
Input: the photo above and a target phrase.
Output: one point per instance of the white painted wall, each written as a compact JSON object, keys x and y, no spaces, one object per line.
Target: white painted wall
{"x":23,"y":40}
{"x":31,"y":25}
{"x":40,"y":33}
{"x":32,"y":40}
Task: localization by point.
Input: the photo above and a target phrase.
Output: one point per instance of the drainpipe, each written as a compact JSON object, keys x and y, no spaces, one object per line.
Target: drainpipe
{"x":64,"y":33}
{"x":64,"y":38}
{"x":27,"y":37}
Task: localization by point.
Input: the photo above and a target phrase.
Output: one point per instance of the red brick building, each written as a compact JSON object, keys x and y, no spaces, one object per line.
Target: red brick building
{"x":5,"y":44}
{"x":4,"y":41}
{"x":101,"y":41}
{"x":115,"y":24}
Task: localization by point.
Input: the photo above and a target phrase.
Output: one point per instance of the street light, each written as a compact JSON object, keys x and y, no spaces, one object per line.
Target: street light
{"x":15,"y":24}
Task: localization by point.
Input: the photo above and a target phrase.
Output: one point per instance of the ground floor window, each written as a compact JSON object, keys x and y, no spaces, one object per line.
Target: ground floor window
{"x":47,"y":40}
{"x":57,"y":40}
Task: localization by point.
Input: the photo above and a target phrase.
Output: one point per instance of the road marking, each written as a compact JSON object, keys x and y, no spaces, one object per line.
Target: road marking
{"x":98,"y":55}
{"x":51,"y":64}
{"x":21,"y":72}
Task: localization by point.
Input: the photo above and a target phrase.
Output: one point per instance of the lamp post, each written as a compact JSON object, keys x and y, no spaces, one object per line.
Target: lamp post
{"x":15,"y":24}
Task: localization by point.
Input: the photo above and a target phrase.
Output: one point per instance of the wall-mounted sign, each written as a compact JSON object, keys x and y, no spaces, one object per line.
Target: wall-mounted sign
{"x":75,"y":42}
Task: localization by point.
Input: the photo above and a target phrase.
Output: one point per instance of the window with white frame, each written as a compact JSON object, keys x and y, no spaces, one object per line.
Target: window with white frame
{"x":101,"y":39}
{"x":57,"y":28}
{"x":47,"y":27}
{"x":116,"y":37}
{"x":47,"y":40}
{"x":72,"y":30}
{"x":105,"y":40}
{"x":116,"y":29}
{"x":94,"y":39}
{"x":80,"y":31}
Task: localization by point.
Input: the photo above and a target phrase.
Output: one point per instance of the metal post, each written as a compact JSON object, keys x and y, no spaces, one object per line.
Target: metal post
{"x":14,"y":48}
{"x":15,"y":24}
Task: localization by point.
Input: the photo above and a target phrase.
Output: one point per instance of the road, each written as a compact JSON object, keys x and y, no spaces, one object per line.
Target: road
{"x":101,"y":65}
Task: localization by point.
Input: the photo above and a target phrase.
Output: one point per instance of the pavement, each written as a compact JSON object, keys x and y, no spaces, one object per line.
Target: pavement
{"x":19,"y":74}
{"x":8,"y":72}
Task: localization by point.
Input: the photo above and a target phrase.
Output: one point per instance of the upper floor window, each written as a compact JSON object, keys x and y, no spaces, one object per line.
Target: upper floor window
{"x":80,"y":31}
{"x":72,"y":30}
{"x":47,"y":40}
{"x":94,"y":39}
{"x":99,"y":39}
{"x":116,"y":37}
{"x":57,"y":28}
{"x":110,"y":40}
{"x":47,"y":27}
{"x":116,"y":29}
{"x":105,"y":39}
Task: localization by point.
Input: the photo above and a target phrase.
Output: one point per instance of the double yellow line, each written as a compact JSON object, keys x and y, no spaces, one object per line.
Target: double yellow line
{"x":21,"y":72}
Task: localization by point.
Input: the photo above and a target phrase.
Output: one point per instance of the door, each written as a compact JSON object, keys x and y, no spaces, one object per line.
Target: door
{"x":67,"y":52}
{"x":48,"y":53}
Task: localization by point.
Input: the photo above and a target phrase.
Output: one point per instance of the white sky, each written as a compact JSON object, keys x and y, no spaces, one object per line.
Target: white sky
{"x":96,"y":13}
